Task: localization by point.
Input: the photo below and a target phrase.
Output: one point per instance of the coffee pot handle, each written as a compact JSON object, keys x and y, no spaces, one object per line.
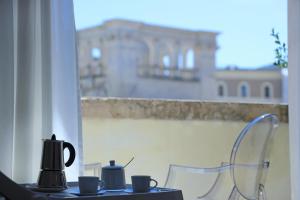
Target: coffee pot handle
{"x":71,"y":149}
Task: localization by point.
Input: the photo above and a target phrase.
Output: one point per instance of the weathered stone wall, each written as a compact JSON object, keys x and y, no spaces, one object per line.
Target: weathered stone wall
{"x":104,"y":108}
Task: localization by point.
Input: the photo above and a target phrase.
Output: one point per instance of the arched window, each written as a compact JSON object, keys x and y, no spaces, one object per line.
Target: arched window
{"x":180,"y":60}
{"x":166,"y":64}
{"x":189,"y":62}
{"x":244,"y":89}
{"x":267,"y":90}
{"x":166,"y":61}
{"x":96,"y":53}
{"x":222,"y":89}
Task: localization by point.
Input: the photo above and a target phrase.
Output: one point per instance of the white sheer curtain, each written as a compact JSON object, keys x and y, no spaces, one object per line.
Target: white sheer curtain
{"x":38,"y":84}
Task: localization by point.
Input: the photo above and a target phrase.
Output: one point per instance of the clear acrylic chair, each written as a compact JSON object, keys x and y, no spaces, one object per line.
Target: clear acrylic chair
{"x":242,"y":178}
{"x":93,"y":169}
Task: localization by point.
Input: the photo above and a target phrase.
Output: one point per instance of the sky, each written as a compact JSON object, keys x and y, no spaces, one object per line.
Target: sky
{"x":244,"y":25}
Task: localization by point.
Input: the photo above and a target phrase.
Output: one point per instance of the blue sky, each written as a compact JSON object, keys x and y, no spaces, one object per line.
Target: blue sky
{"x":244,"y":25}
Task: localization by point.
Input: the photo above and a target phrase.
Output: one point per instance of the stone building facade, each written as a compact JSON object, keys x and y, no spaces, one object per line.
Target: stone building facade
{"x":264,"y":85}
{"x":122,"y":58}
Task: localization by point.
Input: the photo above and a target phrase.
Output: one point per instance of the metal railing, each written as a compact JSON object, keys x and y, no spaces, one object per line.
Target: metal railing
{"x":174,"y":73}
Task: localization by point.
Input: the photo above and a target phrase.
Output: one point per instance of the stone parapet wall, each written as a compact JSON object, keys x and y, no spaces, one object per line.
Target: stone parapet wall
{"x":178,"y":109}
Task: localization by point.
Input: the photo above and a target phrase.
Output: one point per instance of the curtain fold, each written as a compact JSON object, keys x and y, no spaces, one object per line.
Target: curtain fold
{"x":6,"y":86}
{"x":39,"y":84}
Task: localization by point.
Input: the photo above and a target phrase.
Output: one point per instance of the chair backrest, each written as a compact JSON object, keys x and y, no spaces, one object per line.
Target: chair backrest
{"x":250,"y":155}
{"x":248,"y":166}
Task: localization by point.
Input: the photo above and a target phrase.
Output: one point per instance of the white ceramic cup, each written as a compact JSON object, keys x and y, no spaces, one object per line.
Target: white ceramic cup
{"x":89,"y":184}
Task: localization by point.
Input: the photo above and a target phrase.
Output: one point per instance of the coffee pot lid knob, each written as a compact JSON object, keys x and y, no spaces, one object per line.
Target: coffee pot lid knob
{"x":53,"y":137}
{"x":112,"y":163}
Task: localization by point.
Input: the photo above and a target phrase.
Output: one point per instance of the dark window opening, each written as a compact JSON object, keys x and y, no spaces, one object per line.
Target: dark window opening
{"x":267,"y":92}
{"x":244,"y":91}
{"x":221,"y":91}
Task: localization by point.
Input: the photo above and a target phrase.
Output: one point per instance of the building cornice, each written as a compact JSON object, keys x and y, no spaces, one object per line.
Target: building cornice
{"x":247,"y":75}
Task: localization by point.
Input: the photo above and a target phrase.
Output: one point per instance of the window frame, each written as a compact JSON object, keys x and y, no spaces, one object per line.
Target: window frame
{"x":294,"y":95}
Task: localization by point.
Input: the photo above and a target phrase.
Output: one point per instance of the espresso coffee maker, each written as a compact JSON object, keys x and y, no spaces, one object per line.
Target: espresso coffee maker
{"x":52,"y":175}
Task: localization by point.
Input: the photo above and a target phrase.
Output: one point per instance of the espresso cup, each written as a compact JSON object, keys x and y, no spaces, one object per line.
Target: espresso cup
{"x":142,"y":183}
{"x":89,"y":184}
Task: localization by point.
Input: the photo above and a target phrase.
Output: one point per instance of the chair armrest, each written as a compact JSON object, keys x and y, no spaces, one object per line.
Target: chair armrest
{"x":175,"y":170}
{"x":223,"y":167}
